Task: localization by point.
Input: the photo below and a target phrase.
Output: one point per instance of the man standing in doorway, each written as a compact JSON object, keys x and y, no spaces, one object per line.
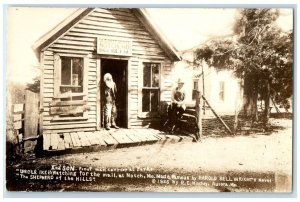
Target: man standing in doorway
{"x":109,"y":98}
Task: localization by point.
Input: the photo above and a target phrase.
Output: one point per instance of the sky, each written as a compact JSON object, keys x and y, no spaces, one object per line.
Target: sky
{"x":184,"y":27}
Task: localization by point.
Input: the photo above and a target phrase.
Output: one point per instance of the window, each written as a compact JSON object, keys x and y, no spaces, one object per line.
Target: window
{"x":195,"y":88}
{"x":221,"y":90}
{"x":71,"y":75}
{"x":70,"y":88}
{"x":150,"y":87}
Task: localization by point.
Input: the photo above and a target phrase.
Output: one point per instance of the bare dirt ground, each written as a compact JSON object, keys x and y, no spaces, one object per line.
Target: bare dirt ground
{"x":259,"y":156}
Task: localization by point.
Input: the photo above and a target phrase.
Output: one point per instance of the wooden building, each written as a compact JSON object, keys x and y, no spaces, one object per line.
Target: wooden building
{"x":76,"y":54}
{"x":220,"y":87}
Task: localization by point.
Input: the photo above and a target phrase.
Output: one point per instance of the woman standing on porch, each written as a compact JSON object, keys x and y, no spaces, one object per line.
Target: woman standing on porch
{"x":110,"y":110}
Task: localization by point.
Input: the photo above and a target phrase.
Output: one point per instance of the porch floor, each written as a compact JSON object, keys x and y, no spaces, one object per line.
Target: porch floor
{"x":104,"y":140}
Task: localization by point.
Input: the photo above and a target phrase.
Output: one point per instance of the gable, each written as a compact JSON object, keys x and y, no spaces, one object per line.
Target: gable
{"x":80,"y":30}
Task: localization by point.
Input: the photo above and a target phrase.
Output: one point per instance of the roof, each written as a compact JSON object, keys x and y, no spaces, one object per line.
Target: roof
{"x":70,"y":21}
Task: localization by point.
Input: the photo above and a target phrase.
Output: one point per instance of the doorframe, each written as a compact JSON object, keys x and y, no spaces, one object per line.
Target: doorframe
{"x":99,"y":80}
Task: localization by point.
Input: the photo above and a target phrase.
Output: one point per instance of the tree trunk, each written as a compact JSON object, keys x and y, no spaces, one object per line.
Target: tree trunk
{"x":250,"y":98}
{"x":238,"y":106}
{"x":267,"y":105}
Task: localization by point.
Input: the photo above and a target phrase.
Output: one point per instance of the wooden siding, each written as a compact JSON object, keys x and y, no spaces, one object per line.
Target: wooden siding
{"x":80,"y":41}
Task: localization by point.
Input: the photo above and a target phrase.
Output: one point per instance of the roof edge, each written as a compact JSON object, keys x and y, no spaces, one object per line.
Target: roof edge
{"x":40,"y":43}
{"x":72,"y":19}
{"x":161,"y":38}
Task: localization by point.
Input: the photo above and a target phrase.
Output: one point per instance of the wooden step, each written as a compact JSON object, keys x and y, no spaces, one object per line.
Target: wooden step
{"x":191,"y":112}
{"x":188,"y":116}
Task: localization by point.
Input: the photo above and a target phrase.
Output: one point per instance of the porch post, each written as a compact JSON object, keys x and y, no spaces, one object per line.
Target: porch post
{"x":199,"y":114}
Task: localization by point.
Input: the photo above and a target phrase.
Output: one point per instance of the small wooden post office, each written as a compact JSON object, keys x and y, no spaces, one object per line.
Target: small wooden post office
{"x":76,"y":54}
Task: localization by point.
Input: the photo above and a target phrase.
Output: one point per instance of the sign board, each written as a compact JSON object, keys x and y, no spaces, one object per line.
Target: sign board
{"x":114,"y":46}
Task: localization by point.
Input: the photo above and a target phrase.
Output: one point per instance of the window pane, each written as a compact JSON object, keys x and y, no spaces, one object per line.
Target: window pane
{"x":145,"y":100}
{"x":155,"y":75}
{"x":221,"y":92}
{"x":196,"y":85}
{"x":65,"y":71}
{"x":77,"y":72}
{"x":147,"y":75}
{"x":154,"y":100}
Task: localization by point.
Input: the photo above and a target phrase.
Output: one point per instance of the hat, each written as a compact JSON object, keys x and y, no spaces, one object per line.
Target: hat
{"x":180,"y":81}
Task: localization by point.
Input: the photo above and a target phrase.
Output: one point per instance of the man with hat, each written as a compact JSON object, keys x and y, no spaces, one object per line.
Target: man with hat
{"x":109,"y":95}
{"x":178,"y":106}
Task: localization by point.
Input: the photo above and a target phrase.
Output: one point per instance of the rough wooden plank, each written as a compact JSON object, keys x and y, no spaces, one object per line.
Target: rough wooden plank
{"x":54,"y":141}
{"x":98,"y":100}
{"x":66,"y":37}
{"x":46,"y":141}
{"x":68,"y":141}
{"x":61,"y":142}
{"x":140,"y":136}
{"x":77,"y":43}
{"x":121,"y":133}
{"x":99,"y":137}
{"x":48,"y":121}
{"x":67,"y":118}
{"x":17,"y":117}
{"x":18,"y":108}
{"x":156,"y":133}
{"x":117,"y":137}
{"x":68,"y":126}
{"x":68,"y":103}
{"x":57,"y":74}
{"x":18,"y":125}
{"x":70,"y":130}
{"x":115,"y":15}
{"x":90,"y":24}
{"x":143,"y":134}
{"x":92,"y":138}
{"x":88,"y":137}
{"x":150,"y":135}
{"x":83,"y":139}
{"x":120,"y":20}
{"x":124,"y":133}
{"x":31,"y":117}
{"x":130,"y":135}
{"x":69,"y":51}
{"x":75,"y":139}
{"x":108,"y":139}
{"x":68,"y":110}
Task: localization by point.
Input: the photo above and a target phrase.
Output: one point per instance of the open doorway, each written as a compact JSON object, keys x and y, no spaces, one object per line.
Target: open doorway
{"x":118,"y":70}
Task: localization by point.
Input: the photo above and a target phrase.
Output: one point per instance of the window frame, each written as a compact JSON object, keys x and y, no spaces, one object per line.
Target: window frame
{"x":148,"y":114}
{"x":221,"y":91}
{"x":194,"y":90}
{"x":58,"y":96}
{"x":71,"y":74}
{"x":57,"y":74}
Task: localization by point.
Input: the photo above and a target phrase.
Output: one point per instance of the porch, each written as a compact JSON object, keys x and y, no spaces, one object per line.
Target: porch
{"x":74,"y":142}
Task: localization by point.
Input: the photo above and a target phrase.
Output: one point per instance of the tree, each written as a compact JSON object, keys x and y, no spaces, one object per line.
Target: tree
{"x":260,"y":53}
{"x":35,"y":86}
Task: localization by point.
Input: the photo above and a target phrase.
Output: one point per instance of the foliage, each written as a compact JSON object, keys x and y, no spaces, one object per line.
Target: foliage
{"x":260,"y":53}
{"x":35,"y":86}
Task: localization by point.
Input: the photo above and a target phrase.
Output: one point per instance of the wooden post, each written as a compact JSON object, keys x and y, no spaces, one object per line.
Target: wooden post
{"x":98,"y":107}
{"x":31,"y":119}
{"x":218,"y":117}
{"x":277,"y":110}
{"x":203,"y":88}
{"x":199,"y":114}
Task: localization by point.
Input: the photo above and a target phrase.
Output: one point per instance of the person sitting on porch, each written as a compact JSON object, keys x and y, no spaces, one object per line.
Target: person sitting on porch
{"x":110,"y":110}
{"x":178,"y":106}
